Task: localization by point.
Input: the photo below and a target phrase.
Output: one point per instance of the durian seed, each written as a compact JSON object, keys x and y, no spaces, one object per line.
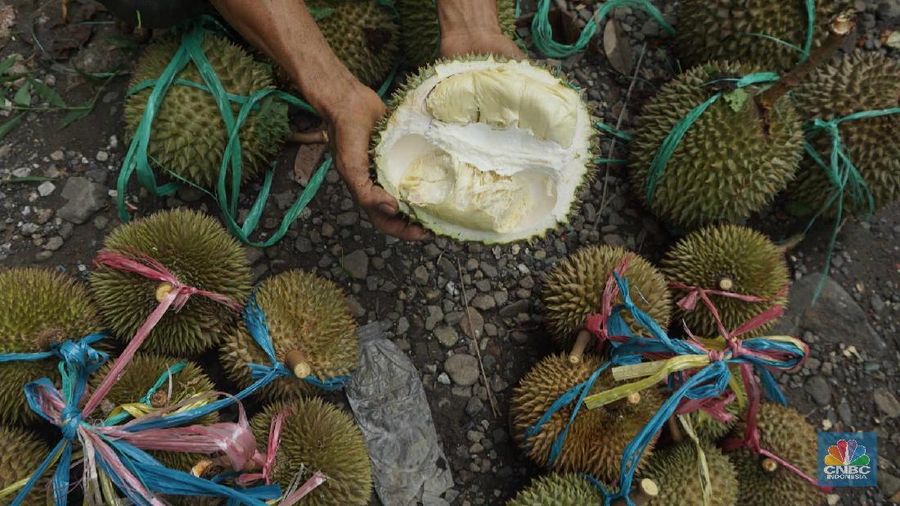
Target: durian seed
{"x":296,"y":362}
{"x":581,"y":342}
{"x":726,"y":284}
{"x":634,"y":398}
{"x":646,"y":490}
{"x":164,"y":289}
{"x":769,"y":465}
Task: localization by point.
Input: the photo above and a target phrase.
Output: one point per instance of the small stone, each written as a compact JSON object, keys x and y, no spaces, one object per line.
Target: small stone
{"x":484,"y":302}
{"x":402,"y":325}
{"x":518,"y":307}
{"x":447,"y":336}
{"x":46,"y":188}
{"x":443,"y":379}
{"x":420,"y":274}
{"x":102,"y":156}
{"x":57,"y":155}
{"x":435,"y":315}
{"x":357,"y":264}
{"x":100,"y":222}
{"x":54,"y":243}
{"x":462,"y":368}
{"x":472,"y":323}
{"x":474,"y":406}
{"x":886,"y":403}
{"x":819,"y":390}
{"x":347,"y":219}
{"x":84,"y":199}
{"x":877,"y":302}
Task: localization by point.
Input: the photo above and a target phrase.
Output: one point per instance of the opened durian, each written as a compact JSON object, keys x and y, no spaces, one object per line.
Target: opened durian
{"x":362,"y":34}
{"x":676,"y":470}
{"x":40,"y":308}
{"x":784,"y":432}
{"x":558,"y":489}
{"x":485,"y":150}
{"x":597,"y":438}
{"x":574,"y":289}
{"x":734,"y":259}
{"x":766,"y":33}
{"x":730,"y":163}
{"x":22,"y":453}
{"x":317,"y":436}
{"x":862,"y":81}
{"x":200,"y":253}
{"x":310,"y":326}
{"x":188,"y":133}
{"x":421,"y":32}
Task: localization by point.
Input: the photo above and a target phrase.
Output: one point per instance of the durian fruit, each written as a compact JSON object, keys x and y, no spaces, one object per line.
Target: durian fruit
{"x":421,"y":32}
{"x":40,"y":307}
{"x":311,"y":328}
{"x":744,"y":31}
{"x":598,"y":437}
{"x":861,"y":81}
{"x":486,"y":150}
{"x":21,"y":453}
{"x":730,"y":258}
{"x":784,"y":432}
{"x":677,"y":473}
{"x":188,"y":136}
{"x":574,"y":289}
{"x":317,"y":436}
{"x":362,"y":34}
{"x":558,"y":489}
{"x":134,"y":383}
{"x":730,"y":163}
{"x":200,"y":253}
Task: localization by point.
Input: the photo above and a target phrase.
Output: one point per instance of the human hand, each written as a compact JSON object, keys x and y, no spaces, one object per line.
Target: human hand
{"x":487,"y":41}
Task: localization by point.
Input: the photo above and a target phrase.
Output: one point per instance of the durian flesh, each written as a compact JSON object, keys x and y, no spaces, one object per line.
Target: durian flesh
{"x":485,"y":150}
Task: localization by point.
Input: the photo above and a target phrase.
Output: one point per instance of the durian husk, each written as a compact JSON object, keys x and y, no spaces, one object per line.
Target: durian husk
{"x":861,"y":81}
{"x":40,"y":307}
{"x":729,"y":164}
{"x":731,"y":29}
{"x":597,"y":438}
{"x":188,"y":136}
{"x":306,"y":313}
{"x":574,"y":289}
{"x":21,"y":452}
{"x":753,"y":264}
{"x":558,"y":489}
{"x":317,"y":436}
{"x":201,"y":254}
{"x":786,"y":433}
{"x":676,"y":471}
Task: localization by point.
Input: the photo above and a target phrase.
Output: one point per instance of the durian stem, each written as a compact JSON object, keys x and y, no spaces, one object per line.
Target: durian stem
{"x":295,"y":360}
{"x":841,"y":26}
{"x":769,"y":465}
{"x":726,"y":284}
{"x":315,"y":137}
{"x":162,"y":290}
{"x":581,"y":343}
{"x":200,"y":468}
{"x":643,"y":493}
{"x":675,"y":431}
{"x":633,"y":398}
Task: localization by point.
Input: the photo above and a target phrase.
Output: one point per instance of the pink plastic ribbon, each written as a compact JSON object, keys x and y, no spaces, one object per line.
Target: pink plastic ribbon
{"x":596,"y":323}
{"x":268,"y":460}
{"x":294,"y":497}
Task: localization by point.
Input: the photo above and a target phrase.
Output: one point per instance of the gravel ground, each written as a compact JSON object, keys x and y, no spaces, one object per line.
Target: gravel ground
{"x":424,"y":290}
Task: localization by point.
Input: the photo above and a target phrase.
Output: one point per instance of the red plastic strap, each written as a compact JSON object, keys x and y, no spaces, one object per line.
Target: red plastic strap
{"x":595,"y":323}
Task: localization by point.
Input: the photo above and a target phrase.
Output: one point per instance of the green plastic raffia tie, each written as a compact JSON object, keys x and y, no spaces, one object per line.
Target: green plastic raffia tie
{"x":542,"y":31}
{"x":670,"y":143}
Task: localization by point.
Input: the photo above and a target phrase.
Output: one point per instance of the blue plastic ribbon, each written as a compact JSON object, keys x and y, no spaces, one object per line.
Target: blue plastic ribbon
{"x":70,"y":352}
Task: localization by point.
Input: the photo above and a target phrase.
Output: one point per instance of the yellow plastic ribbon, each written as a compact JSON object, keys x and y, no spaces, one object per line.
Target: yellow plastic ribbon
{"x":702,"y":466}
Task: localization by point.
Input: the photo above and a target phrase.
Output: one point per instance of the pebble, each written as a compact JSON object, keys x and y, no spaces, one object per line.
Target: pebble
{"x":46,"y":188}
{"x":357,"y":264}
{"x":54,"y":243}
{"x":484,"y":302}
{"x":819,"y":390}
{"x":462,"y":368}
{"x":886,"y":402}
{"x":474,"y":406}
{"x":102,"y":156}
{"x":85,"y":198}
{"x":435,"y":315}
{"x":447,"y":336}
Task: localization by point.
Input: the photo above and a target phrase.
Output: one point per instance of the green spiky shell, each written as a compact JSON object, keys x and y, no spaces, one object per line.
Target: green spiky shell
{"x":784,"y":432}
{"x":597,"y":438}
{"x":362,"y":34}
{"x":676,"y":472}
{"x":726,"y":166}
{"x":304,"y":312}
{"x":40,"y":307}
{"x":20,"y":455}
{"x":421,"y":33}
{"x":574,"y":288}
{"x":201,"y":254}
{"x":558,"y":489}
{"x":317,"y":436}
{"x":732,"y":29}
{"x":754,"y":264}
{"x":862,"y":81}
{"x":188,"y":135}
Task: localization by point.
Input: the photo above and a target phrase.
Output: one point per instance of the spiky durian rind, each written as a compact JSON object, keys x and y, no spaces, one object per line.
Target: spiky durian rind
{"x":676,"y":472}
{"x":21,"y":453}
{"x":558,"y":489}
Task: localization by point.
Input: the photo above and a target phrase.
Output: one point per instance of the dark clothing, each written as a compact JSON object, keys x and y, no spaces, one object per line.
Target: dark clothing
{"x":156,"y":13}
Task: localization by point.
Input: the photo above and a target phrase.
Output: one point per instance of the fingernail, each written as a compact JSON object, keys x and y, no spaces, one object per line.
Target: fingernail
{"x":387,"y":209}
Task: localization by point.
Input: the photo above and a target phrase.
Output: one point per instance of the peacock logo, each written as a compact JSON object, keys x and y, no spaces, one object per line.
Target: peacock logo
{"x":847,"y":453}
{"x":847,"y":459}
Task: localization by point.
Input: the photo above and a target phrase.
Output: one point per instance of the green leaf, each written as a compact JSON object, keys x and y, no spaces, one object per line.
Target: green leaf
{"x":736,"y":99}
{"x":75,"y":115}
{"x":23,"y":96}
{"x":6,"y":64}
{"x":9,"y":124}
{"x":48,"y":94}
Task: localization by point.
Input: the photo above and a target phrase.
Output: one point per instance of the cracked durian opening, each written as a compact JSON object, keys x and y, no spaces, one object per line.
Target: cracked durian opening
{"x":486,"y":151}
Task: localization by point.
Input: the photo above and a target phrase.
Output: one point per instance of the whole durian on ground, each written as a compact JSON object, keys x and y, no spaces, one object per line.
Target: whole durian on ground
{"x":676,"y":472}
{"x":421,"y":32}
{"x":362,"y":34}
{"x":731,"y":258}
{"x":735,"y":29}
{"x":134,"y":383}
{"x":597,"y":438}
{"x":861,"y":81}
{"x":485,"y":150}
{"x":200,"y":253}
{"x":558,"y":489}
{"x":20,"y":455}
{"x":188,"y":135}
{"x":317,"y":436}
{"x":730,"y":162}
{"x":784,"y":432}
{"x":304,"y":313}
{"x":574,"y":289}
{"x":40,"y":307}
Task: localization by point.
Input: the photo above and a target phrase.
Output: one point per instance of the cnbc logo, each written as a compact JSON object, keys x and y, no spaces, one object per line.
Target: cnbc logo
{"x":847,"y":459}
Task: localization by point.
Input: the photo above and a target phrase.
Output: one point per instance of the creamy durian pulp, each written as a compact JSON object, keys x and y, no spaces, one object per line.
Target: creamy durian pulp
{"x":485,"y":150}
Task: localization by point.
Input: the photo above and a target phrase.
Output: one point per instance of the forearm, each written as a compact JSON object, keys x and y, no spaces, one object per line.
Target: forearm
{"x":459,"y":17}
{"x":285,"y":30}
